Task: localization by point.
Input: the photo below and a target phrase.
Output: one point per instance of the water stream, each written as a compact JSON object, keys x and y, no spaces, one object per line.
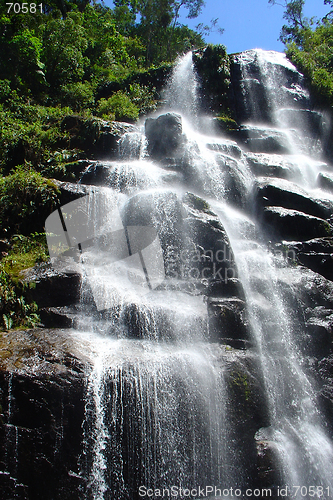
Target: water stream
{"x":158,"y":408}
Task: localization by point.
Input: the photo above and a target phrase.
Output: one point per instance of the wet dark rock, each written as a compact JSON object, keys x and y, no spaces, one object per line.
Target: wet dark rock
{"x":57,"y":317}
{"x":234,"y":182}
{"x":227,"y":147}
{"x":263,"y":140}
{"x":325,"y":369}
{"x":228,"y":321}
{"x":250,"y":100}
{"x":97,"y":174}
{"x":283,"y":223}
{"x":70,"y":191}
{"x":306,"y":119}
{"x":319,"y":328}
{"x":164,"y":135}
{"x":96,"y":136}
{"x":282,"y":193}
{"x":313,"y":289}
{"x":325,"y":181}
{"x":232,"y":287}
{"x":310,"y":297}
{"x":269,"y":473}
{"x":247,"y":410}
{"x":53,"y":287}
{"x":316,"y":254}
{"x":106,"y":145}
{"x":255,"y":92}
{"x":270,"y":165}
{"x":207,"y":252}
{"x":42,"y":385}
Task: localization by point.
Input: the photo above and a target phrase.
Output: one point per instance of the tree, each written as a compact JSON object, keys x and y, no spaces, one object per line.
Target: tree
{"x":64,"y":44}
{"x":64,"y":6}
{"x":155,"y":22}
{"x":293,"y":14}
{"x":310,"y":47}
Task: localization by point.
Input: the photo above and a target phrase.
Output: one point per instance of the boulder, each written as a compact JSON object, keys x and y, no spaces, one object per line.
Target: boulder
{"x":42,"y":388}
{"x":283,"y":223}
{"x":164,"y":135}
{"x":264,"y":140}
{"x":96,"y":136}
{"x":97,"y":174}
{"x":227,"y":147}
{"x":282,"y":193}
{"x":51,"y":287}
{"x":70,"y":191}
{"x":272,"y":165}
{"x":228,"y":321}
{"x":316,"y":254}
{"x":206,"y":252}
{"x":57,"y":317}
{"x":325,"y":181}
{"x":234,"y":181}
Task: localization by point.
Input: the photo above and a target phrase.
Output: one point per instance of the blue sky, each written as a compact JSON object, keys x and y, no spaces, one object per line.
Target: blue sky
{"x":247,"y":24}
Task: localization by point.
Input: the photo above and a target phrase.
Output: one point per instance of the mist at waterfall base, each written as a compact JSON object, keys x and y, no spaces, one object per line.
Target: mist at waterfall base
{"x":158,"y":408}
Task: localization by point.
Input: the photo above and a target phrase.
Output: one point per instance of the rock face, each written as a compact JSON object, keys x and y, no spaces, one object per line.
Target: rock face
{"x":44,"y":375}
{"x":164,"y":135}
{"x":42,"y":389}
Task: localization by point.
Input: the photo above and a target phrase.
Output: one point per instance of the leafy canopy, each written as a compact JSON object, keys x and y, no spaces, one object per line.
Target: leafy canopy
{"x":309,"y":44}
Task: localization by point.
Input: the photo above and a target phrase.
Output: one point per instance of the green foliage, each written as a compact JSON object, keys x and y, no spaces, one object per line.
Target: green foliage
{"x":143,"y":97}
{"x":213,"y":66}
{"x":293,"y":14}
{"x":26,"y":199}
{"x":64,"y":43}
{"x":78,"y":96}
{"x":158,"y":26}
{"x":28,"y":132}
{"x":315,"y":60}
{"x":15,"y":309}
{"x":309,"y":48}
{"x":119,"y":107}
{"x":25,"y":252}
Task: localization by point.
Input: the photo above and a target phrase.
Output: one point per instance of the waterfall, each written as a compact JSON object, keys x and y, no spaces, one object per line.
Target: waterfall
{"x":181,"y":93}
{"x":305,"y":450}
{"x":183,"y":302}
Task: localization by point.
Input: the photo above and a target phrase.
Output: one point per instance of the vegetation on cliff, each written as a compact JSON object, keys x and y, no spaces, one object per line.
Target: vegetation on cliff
{"x":63,"y":63}
{"x":309,"y":45}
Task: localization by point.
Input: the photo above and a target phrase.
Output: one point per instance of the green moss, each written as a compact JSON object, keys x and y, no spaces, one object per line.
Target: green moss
{"x":16,"y":310}
{"x":26,"y":199}
{"x":213,"y":66}
{"x":327,"y":228}
{"x":226,"y":122}
{"x":26,"y":251}
{"x":240,"y":383}
{"x":196,"y":202}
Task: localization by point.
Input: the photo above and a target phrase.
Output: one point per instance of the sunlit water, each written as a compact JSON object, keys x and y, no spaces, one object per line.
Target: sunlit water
{"x":156,"y":406}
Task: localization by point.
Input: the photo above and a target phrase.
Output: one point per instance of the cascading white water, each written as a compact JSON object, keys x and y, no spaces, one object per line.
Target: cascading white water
{"x":181,"y":93}
{"x":157,"y":410}
{"x":305,"y":450}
